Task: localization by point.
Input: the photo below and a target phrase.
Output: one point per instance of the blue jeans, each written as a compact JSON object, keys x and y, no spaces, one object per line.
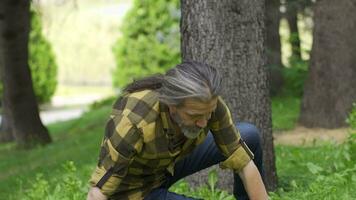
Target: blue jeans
{"x":206,"y":155}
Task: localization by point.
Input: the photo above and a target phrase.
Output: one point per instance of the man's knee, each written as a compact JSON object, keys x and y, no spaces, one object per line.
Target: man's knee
{"x":250,"y":134}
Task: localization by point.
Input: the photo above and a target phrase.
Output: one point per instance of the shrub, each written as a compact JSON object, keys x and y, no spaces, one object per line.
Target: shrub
{"x":42,"y":62}
{"x":150,"y":40}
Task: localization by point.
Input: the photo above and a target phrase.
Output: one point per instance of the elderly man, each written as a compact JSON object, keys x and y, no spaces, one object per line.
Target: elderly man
{"x":165,"y":127}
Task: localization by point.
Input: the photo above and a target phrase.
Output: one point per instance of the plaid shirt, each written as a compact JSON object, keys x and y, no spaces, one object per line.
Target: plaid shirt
{"x":141,"y":145}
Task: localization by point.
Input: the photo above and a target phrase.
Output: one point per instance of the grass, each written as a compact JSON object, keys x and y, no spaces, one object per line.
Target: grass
{"x":61,"y":170}
{"x":285,"y":112}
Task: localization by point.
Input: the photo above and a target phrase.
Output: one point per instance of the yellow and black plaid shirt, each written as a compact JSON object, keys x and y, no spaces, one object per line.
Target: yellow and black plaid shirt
{"x":141,"y":145}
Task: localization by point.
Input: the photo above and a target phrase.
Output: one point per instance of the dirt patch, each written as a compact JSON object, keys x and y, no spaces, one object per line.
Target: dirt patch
{"x":305,"y":136}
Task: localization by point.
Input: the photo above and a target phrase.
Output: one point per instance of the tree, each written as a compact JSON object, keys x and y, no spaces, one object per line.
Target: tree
{"x":330,"y":87}
{"x":19,"y":97}
{"x":230,"y":35}
{"x":273,"y":45}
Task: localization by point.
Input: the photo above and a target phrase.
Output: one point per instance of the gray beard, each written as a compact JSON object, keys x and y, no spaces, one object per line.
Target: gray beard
{"x":190,"y":132}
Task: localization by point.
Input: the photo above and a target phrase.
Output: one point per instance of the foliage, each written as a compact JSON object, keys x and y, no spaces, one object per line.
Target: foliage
{"x":207,"y":192}
{"x":327,"y":171}
{"x":150,"y":40}
{"x":66,"y":187}
{"x":351,"y":120}
{"x":42,"y":62}
{"x":294,"y":78}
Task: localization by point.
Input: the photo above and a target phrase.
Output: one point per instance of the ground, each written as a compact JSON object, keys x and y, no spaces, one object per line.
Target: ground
{"x":304,"y":136}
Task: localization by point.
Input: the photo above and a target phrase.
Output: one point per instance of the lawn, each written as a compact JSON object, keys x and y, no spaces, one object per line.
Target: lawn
{"x":61,"y":170}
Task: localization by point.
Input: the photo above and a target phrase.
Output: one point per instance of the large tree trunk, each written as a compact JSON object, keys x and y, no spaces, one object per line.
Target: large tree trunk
{"x":5,"y":127}
{"x":18,"y":96}
{"x":230,"y":35}
{"x":292,"y":18}
{"x":273,"y":45}
{"x":330,"y":88}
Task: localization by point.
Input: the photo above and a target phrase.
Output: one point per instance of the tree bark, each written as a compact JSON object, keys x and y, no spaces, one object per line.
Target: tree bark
{"x":230,"y":35}
{"x":18,"y":96}
{"x":330,"y":88}
{"x":273,"y":46}
{"x":5,"y":127}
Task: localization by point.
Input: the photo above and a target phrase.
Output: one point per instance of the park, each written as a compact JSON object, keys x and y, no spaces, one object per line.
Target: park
{"x":288,"y":67}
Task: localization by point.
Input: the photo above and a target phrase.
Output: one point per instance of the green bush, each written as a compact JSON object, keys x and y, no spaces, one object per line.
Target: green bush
{"x":42,"y":62}
{"x":150,"y":41}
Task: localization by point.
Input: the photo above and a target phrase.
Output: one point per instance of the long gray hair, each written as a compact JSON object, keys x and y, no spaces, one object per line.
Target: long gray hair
{"x":189,"y":79}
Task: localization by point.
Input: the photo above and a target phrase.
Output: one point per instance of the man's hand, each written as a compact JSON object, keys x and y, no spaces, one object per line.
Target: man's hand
{"x":253,"y":183}
{"x":95,"y":194}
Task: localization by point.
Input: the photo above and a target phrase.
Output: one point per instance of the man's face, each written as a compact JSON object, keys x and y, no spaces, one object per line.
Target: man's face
{"x":193,"y":115}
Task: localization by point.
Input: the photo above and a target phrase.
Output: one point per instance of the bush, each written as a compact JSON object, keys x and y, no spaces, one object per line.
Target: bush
{"x":42,"y":62}
{"x":150,"y":41}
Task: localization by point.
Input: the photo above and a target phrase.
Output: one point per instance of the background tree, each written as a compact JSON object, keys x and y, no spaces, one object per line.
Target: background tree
{"x":18,"y":95}
{"x":229,"y":34}
{"x":330,"y":88}
{"x":273,"y":45}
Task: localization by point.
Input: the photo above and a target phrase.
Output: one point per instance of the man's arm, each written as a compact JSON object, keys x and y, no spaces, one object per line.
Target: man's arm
{"x":253,"y":183}
{"x":95,"y":194}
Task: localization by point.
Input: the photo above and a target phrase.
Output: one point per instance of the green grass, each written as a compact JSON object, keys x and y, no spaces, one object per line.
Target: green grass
{"x":47,"y":173}
{"x":285,"y":112}
{"x":75,"y":140}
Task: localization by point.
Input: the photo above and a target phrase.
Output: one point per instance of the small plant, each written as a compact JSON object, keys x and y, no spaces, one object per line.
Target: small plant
{"x":67,"y":187}
{"x":351,"y":120}
{"x":206,"y":192}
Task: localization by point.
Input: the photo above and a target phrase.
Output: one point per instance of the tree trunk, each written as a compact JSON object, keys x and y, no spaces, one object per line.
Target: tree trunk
{"x":18,"y":96}
{"x":292,"y":18}
{"x":330,"y":88}
{"x":5,"y":127}
{"x":273,"y":46}
{"x":230,"y":35}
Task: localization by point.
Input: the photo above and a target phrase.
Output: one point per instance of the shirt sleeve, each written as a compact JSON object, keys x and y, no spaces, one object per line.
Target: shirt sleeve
{"x":228,"y":138}
{"x":120,"y":145}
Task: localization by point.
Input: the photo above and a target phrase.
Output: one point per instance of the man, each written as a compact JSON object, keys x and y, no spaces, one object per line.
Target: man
{"x":166,"y":127}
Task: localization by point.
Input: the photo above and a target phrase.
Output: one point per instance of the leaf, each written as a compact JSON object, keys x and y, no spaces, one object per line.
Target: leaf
{"x":313,"y":168}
